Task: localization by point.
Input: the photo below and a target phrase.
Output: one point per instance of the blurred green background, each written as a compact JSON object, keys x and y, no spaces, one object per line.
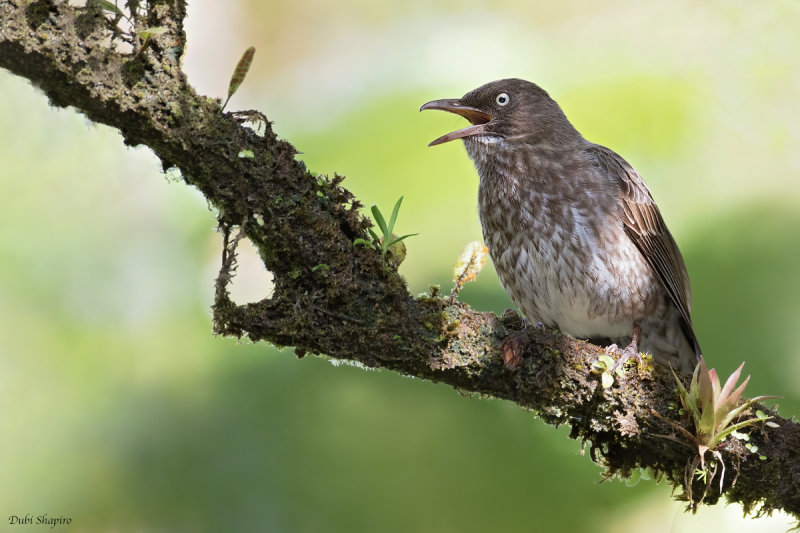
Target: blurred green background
{"x":123,"y":412}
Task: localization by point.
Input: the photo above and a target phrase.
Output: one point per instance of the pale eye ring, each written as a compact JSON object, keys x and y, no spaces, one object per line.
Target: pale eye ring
{"x":502,"y":99}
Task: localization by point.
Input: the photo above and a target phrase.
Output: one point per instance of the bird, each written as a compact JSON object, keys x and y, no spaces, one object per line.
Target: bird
{"x":576,"y":238}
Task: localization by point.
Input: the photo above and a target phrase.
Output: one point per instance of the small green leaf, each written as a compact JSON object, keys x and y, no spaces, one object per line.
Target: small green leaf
{"x":606,"y":380}
{"x":772,"y":424}
{"x":740,"y":436}
{"x":363,"y":242}
{"x":762,"y":457}
{"x":321,"y":266}
{"x":379,"y":220}
{"x":388,"y":239}
{"x":246,"y":154}
{"x":701,"y":473}
{"x":719,"y":437}
{"x":110,"y":6}
{"x":598,"y":367}
{"x":632,"y":481}
{"x":398,"y":239}
{"x":730,"y":416}
{"x":606,"y":360}
{"x":240,"y":72}
{"x":393,"y":218}
{"x":148,"y":33}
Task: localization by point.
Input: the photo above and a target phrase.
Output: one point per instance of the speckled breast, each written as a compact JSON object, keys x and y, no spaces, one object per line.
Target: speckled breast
{"x":558,"y":246}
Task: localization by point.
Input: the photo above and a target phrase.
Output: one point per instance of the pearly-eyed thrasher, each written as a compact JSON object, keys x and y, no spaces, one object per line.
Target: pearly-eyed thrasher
{"x":575,"y":236}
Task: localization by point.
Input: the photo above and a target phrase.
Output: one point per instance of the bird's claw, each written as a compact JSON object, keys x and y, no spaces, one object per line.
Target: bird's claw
{"x":512,"y":348}
{"x":623,"y":355}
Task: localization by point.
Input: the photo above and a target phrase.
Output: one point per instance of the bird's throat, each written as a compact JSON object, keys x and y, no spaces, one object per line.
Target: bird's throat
{"x":493,"y":157}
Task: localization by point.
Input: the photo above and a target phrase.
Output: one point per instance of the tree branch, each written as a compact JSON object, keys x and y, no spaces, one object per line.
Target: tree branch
{"x":332,"y":297}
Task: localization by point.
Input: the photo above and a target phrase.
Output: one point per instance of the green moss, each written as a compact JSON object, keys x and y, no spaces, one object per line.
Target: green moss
{"x":38,"y":12}
{"x":90,"y":19}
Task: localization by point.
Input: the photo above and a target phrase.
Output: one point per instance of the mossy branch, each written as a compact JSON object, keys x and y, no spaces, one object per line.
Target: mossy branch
{"x":358,"y":308}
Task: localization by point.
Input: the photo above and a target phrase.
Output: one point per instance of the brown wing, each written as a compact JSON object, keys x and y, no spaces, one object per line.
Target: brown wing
{"x":646,"y":228}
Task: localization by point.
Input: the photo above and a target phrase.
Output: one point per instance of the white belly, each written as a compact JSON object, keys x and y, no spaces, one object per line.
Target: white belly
{"x":585,"y":284}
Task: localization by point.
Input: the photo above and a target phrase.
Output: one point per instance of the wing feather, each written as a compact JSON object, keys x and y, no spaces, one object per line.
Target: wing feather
{"x":646,"y":228}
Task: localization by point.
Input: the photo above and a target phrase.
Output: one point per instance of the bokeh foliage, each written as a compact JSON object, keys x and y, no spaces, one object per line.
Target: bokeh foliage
{"x":121,"y":410}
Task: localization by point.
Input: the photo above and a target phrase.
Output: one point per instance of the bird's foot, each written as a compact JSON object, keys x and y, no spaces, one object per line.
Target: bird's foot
{"x":512,"y":349}
{"x":514,"y":344}
{"x":631,"y":351}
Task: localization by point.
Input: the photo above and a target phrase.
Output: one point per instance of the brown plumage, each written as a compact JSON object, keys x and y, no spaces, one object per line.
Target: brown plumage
{"x":576,"y":238}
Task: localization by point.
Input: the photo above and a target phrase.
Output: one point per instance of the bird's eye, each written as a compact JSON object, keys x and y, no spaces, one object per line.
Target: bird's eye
{"x":502,"y":99}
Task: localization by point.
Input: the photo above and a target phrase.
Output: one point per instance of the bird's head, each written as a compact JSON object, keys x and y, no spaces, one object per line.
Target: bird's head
{"x":504,"y":109}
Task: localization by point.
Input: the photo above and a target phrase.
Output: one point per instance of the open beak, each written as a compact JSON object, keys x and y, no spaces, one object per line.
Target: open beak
{"x":478,"y":118}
